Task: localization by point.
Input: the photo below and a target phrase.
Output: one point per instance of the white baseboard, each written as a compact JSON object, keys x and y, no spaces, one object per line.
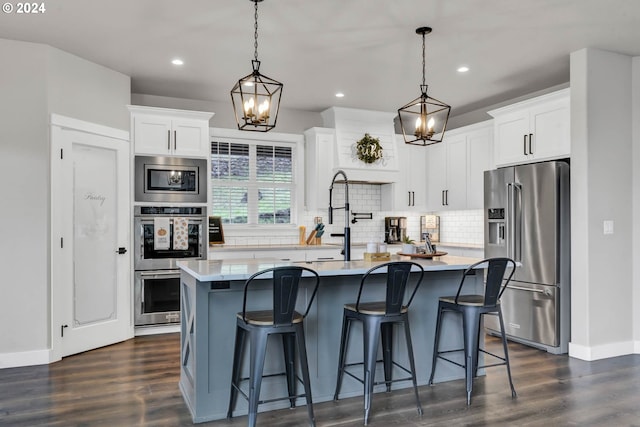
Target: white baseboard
{"x":25,"y":358}
{"x":605,"y":351}
{"x":154,"y":330}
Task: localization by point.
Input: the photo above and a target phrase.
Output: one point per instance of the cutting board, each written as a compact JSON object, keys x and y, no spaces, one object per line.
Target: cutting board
{"x":438,"y":253}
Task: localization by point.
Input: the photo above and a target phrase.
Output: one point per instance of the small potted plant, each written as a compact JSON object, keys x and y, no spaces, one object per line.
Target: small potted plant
{"x":407,"y":245}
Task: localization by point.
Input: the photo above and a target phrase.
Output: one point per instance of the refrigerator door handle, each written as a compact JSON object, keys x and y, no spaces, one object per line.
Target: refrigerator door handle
{"x":510,"y":234}
{"x":520,"y":288}
{"x":517,"y":222}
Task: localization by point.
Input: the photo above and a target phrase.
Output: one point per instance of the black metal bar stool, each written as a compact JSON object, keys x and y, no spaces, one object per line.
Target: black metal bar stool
{"x":472,"y":308}
{"x":378,"y":319}
{"x":282,"y":319}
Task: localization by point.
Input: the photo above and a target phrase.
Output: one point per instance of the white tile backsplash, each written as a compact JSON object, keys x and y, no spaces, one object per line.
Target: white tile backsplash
{"x":464,"y":226}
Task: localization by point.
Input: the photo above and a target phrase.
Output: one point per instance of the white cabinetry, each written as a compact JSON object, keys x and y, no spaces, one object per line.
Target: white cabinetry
{"x":455,"y":168}
{"x":409,"y":192}
{"x":533,"y":130}
{"x":318,"y":168}
{"x":162,"y":131}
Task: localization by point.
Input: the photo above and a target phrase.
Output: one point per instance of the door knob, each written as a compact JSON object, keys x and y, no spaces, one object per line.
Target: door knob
{"x":121,"y":251}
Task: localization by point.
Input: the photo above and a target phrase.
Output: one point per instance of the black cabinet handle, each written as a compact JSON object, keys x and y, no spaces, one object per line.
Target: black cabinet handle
{"x":175,"y":140}
{"x":409,"y":194}
{"x":447,"y":197}
{"x":524,"y":145}
{"x":530,"y":143}
{"x":443,"y":204}
{"x":169,"y":140}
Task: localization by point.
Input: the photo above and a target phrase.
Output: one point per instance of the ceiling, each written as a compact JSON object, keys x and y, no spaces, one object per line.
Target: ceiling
{"x":367,"y":49}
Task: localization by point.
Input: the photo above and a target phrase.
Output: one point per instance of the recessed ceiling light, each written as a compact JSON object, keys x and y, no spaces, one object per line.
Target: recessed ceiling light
{"x":339,"y":95}
{"x":177,"y":61}
{"x":463,"y":69}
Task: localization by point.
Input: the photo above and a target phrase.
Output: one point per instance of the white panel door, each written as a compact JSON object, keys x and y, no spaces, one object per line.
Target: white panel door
{"x":91,"y":214}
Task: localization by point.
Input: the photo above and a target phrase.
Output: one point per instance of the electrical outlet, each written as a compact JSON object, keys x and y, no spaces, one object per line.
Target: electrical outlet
{"x":608,"y":227}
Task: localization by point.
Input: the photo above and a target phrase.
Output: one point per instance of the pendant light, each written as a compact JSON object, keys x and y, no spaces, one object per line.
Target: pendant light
{"x":424,"y":119}
{"x":256,"y":97}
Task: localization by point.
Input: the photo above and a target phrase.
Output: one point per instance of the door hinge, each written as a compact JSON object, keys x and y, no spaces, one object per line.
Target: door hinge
{"x":62,"y":329}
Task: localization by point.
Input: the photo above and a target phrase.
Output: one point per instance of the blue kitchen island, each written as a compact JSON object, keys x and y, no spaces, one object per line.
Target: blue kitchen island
{"x":211,"y":295}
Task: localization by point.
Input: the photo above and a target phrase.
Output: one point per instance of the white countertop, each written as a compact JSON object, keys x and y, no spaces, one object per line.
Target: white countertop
{"x":241,"y":269}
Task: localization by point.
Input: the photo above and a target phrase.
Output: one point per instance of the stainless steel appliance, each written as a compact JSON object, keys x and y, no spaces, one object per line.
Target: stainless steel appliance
{"x":170,"y":179}
{"x":157,"y":277}
{"x":395,"y":229}
{"x":527,"y":218}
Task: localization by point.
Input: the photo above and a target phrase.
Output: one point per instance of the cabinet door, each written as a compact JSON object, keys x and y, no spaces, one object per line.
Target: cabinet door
{"x":190,"y":138}
{"x":318,"y":170}
{"x":510,"y":144}
{"x":456,"y":190}
{"x":415,"y":176}
{"x":550,"y":125}
{"x":152,"y":135}
{"x":436,"y":176}
{"x":479,"y":159}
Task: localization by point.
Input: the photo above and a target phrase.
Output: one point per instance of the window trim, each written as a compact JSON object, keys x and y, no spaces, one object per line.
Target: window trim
{"x":297,"y":143}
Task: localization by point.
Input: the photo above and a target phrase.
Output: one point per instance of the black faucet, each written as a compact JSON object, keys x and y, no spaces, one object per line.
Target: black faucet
{"x":347,"y":231}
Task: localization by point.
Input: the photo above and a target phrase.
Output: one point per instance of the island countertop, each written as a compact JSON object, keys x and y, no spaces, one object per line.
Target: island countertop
{"x":242,"y":269}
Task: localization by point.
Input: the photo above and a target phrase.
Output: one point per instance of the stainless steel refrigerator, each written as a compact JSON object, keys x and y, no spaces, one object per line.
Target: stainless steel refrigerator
{"x":527,"y":218}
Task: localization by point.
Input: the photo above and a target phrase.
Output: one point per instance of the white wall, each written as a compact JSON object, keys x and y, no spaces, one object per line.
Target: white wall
{"x":24,"y":196}
{"x":635,"y":120}
{"x":35,"y":81}
{"x":601,"y":138}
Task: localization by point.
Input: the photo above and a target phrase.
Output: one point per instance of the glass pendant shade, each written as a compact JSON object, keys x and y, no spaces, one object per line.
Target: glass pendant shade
{"x":424,"y":120}
{"x":256,"y":101}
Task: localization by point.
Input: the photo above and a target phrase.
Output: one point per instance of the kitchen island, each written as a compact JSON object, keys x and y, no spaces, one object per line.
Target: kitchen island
{"x":212,"y":293}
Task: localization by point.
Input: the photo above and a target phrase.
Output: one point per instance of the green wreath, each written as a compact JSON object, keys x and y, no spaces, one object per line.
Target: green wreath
{"x":369,"y":149}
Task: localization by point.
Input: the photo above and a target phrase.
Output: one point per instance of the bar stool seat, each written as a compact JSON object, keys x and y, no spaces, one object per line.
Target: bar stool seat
{"x":378,"y":318}
{"x":256,"y":327}
{"x":472,"y":308}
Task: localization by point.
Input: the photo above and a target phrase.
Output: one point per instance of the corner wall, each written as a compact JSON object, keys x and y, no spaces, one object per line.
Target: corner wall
{"x":601,"y":150}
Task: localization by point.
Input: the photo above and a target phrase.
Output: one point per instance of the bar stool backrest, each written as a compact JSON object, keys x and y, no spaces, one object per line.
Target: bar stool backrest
{"x":286,"y":282}
{"x":397,"y":279}
{"x":495,"y":280}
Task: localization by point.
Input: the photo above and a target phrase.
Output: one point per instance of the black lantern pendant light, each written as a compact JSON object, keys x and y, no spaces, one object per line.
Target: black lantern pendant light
{"x":256,"y":97}
{"x":424,"y":119}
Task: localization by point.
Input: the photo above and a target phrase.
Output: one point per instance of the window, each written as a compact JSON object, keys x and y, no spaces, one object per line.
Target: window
{"x":252,"y":182}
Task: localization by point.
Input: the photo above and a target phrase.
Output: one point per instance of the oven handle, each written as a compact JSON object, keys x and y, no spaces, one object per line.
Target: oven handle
{"x":159,"y":273}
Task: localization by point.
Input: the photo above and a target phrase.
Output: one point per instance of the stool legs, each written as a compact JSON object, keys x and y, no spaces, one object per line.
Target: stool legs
{"x":387,"y":352}
{"x":374,"y":332}
{"x":371,"y":338}
{"x":302,"y":351}
{"x":289,"y":350}
{"x":235,"y":372}
{"x":257,"y":356}
{"x":506,"y":353}
{"x":436,"y":343}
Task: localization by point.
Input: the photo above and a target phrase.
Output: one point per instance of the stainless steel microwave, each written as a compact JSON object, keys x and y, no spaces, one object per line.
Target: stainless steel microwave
{"x":170,"y":179}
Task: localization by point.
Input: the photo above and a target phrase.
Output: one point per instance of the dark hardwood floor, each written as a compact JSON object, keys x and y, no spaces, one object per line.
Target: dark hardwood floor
{"x":135,"y":383}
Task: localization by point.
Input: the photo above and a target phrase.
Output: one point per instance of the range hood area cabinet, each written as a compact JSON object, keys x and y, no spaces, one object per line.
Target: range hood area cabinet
{"x":409,"y":192}
{"x":533,"y":130}
{"x":169,"y":132}
{"x":455,"y":168}
{"x":350,"y":126}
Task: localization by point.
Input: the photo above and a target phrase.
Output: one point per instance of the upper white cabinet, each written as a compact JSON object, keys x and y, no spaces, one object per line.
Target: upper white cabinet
{"x":533,"y":130}
{"x":409,"y":192}
{"x":318,"y":168}
{"x":455,"y":168}
{"x":162,"y":131}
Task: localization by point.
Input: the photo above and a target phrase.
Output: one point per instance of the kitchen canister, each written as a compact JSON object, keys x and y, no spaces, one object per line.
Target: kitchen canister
{"x":372,"y":247}
{"x":382,"y":247}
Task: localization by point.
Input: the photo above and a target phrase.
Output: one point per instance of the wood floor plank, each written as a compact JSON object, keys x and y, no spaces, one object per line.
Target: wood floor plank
{"x":135,"y":383}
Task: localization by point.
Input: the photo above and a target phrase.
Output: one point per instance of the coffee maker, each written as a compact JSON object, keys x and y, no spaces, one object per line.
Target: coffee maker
{"x":395,"y":229}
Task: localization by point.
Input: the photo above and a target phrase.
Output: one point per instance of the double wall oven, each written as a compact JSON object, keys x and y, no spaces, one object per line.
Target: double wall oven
{"x":164,"y":235}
